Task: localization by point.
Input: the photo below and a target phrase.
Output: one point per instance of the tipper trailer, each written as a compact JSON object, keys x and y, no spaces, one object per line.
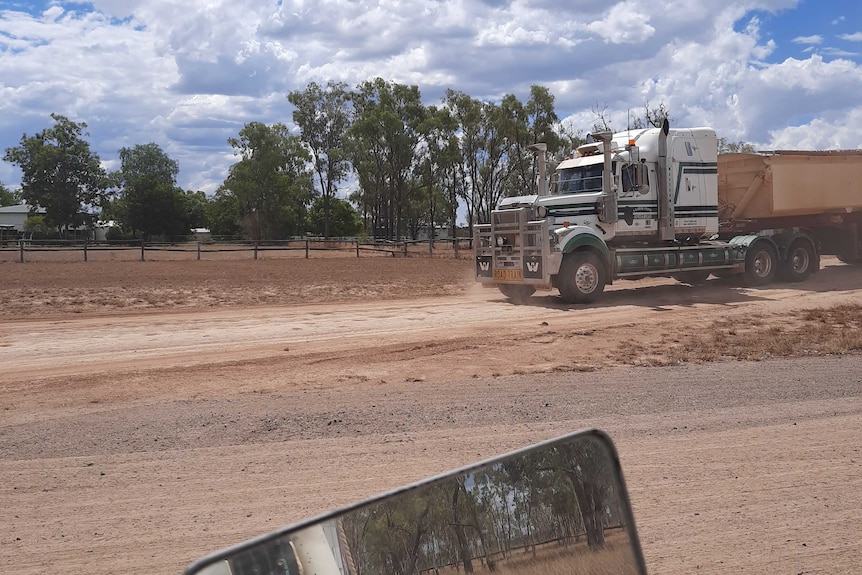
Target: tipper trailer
{"x":662,"y":202}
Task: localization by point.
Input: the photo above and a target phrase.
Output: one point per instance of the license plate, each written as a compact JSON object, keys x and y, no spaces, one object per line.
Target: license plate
{"x":508,"y":275}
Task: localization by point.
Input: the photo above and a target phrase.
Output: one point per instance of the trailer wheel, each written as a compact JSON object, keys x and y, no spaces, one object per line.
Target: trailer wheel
{"x":760,"y":264}
{"x":581,"y":278}
{"x":518,"y":293}
{"x":799,"y":264}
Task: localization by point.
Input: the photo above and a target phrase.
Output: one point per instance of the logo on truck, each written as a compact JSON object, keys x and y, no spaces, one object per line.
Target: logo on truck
{"x":533,"y":267}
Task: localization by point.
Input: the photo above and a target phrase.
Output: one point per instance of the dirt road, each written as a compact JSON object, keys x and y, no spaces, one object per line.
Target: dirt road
{"x":134,"y":438}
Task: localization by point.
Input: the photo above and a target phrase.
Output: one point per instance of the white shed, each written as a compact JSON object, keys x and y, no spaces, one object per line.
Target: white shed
{"x":15,"y":216}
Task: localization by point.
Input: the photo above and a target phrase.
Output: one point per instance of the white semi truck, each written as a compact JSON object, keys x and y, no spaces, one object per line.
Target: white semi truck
{"x":662,"y":202}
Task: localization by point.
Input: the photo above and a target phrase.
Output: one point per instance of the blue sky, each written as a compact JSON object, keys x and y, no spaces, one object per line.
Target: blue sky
{"x":187,"y":76}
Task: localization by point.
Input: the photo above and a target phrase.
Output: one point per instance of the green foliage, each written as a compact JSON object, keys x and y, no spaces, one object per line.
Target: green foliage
{"x":490,"y":516}
{"x":37,"y":225}
{"x":271,"y":183}
{"x":150,"y":203}
{"x":740,"y":147}
{"x":343,"y":219}
{"x":59,"y":172}
{"x":323,"y":116}
{"x":195,"y":208}
{"x":384,"y":141}
{"x":7,"y":196}
{"x":483,"y":151}
{"x":223,"y":214}
{"x":436,"y":200}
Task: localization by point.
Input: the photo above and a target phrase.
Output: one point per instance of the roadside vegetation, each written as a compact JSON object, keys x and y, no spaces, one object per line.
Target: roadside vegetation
{"x":833,"y":330}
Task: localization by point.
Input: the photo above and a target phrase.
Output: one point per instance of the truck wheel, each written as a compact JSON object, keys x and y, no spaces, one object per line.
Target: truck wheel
{"x":518,"y":293}
{"x":694,"y":278}
{"x":799,"y":264}
{"x":582,"y":278}
{"x":760,"y":264}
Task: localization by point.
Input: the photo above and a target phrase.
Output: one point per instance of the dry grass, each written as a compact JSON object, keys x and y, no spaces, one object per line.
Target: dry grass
{"x":814,"y":332}
{"x":615,"y":558}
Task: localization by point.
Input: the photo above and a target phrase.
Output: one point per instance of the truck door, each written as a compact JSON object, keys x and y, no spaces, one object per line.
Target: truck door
{"x":636,"y":200}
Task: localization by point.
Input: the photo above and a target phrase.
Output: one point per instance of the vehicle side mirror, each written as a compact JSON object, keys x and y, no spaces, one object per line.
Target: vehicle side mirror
{"x":556,"y":507}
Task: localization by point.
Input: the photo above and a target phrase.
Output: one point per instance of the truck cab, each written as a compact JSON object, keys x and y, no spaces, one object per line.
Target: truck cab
{"x":632,"y":204}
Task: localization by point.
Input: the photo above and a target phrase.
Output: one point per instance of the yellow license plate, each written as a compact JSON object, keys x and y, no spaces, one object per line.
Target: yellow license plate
{"x":508,"y":275}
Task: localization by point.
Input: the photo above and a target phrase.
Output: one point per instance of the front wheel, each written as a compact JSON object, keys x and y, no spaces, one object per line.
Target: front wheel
{"x":760,"y":264}
{"x":518,"y":293}
{"x":800,"y":262}
{"x":581,"y":278}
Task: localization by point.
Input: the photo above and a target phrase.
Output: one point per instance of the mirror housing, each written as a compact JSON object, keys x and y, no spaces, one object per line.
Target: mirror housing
{"x":557,"y":506}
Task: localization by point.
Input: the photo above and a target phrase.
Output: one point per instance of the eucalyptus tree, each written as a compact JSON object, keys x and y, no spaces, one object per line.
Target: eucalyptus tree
{"x":324,"y":116}
{"x":483,"y":149}
{"x":343,"y":221}
{"x":272,"y":181}
{"x":439,"y":155}
{"x":7,"y":196}
{"x":223,"y":213}
{"x":384,"y":140}
{"x":59,"y":172}
{"x":740,"y":147}
{"x":149,"y":201}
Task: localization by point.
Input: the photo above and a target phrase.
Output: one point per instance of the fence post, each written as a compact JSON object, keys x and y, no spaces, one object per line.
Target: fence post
{"x":21,"y":248}
{"x":306,"y":249}
{"x":357,"y":248}
{"x":431,"y":245}
{"x":255,"y":249}
{"x":457,"y":245}
{"x":199,"y":251}
{"x":85,"y":249}
{"x":142,"y":249}
{"x":405,"y":248}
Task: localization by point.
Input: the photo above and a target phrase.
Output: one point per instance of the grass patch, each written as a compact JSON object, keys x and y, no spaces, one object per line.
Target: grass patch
{"x":815,"y":332}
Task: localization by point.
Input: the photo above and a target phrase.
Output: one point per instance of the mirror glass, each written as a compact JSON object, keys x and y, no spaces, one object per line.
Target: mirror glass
{"x":556,"y":507}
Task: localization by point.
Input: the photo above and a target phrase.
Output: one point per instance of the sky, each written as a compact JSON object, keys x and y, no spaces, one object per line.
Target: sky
{"x":780,"y":74}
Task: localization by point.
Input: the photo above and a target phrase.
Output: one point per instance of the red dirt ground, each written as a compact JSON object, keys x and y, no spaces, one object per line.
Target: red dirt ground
{"x":154,"y":411}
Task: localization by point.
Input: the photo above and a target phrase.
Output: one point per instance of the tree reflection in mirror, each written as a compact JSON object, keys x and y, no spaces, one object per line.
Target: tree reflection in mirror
{"x":559,"y":507}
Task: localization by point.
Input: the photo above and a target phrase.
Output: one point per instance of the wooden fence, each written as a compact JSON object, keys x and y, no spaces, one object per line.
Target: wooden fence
{"x":65,"y":250}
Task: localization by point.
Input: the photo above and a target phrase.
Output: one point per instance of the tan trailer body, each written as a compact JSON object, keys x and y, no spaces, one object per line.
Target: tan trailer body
{"x":789,"y":183}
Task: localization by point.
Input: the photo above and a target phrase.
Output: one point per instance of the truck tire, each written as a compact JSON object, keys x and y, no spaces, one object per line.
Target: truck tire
{"x":761,"y":261}
{"x":799,"y":264}
{"x":581,"y":278}
{"x":518,"y":293}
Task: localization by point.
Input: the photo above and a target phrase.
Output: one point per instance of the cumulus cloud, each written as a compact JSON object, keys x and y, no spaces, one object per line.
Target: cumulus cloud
{"x":189,"y":75}
{"x":624,"y":24}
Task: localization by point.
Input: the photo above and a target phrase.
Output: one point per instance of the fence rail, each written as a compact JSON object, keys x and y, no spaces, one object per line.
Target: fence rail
{"x":19,"y":250}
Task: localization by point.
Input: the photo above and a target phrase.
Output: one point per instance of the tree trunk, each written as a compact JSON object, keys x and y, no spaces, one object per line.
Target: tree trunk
{"x":591,"y":504}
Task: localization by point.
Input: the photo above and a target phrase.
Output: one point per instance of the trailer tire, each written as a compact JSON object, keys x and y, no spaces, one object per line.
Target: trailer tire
{"x":800,"y":262}
{"x":518,"y":293}
{"x":581,"y":278}
{"x":760,"y":264}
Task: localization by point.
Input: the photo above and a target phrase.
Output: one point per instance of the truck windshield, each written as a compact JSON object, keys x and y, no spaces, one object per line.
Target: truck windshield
{"x":580,"y":180}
